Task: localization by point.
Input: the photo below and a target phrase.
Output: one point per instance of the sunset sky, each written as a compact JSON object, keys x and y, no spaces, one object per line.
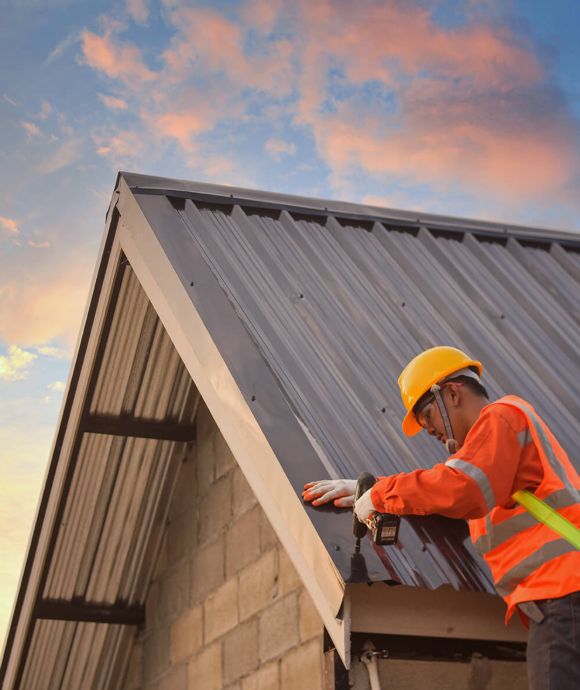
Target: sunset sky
{"x":457,"y":107}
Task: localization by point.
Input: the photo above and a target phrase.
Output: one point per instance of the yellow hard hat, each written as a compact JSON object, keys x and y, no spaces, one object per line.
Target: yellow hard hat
{"x":426,"y":369}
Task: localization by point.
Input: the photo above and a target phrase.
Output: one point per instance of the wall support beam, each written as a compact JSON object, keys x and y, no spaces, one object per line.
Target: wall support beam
{"x":140,"y":428}
{"x":88,"y":612}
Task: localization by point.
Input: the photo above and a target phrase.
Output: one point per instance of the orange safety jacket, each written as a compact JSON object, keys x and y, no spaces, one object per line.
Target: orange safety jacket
{"x":508,"y":448}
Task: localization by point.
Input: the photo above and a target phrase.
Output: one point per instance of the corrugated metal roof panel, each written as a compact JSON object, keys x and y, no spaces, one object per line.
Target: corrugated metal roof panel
{"x":338,"y":308}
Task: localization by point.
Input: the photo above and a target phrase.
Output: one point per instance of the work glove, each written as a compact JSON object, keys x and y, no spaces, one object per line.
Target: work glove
{"x":340,"y":491}
{"x":364,"y":507}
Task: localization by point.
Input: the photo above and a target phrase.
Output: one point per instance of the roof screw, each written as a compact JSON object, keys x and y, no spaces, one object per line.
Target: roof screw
{"x":383,"y":410}
{"x":192,"y":283}
{"x":253,"y":398}
{"x":336,"y":547}
{"x":301,"y":296}
{"x":403,"y":304}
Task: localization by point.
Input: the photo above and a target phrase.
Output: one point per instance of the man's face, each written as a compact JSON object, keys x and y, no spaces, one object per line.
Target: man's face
{"x":429,"y":416}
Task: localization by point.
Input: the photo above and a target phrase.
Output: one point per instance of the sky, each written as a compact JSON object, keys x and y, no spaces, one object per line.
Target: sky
{"x":454,"y":106}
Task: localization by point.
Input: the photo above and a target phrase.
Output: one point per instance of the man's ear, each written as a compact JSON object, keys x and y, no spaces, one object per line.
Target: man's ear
{"x":455,"y":394}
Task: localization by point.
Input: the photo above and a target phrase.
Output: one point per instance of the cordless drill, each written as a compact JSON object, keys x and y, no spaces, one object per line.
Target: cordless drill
{"x":383,"y":526}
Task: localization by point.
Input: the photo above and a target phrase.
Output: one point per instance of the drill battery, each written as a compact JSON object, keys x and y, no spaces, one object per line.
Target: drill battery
{"x":384,"y":528}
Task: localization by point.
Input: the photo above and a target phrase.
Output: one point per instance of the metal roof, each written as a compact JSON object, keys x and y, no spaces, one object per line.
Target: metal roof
{"x":314,"y":307}
{"x":338,"y":298}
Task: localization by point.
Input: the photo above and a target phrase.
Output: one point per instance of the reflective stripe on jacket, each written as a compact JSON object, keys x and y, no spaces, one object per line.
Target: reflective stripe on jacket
{"x":508,"y":448}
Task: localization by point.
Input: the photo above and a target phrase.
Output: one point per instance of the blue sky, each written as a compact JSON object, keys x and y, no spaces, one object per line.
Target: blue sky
{"x":458,"y":107}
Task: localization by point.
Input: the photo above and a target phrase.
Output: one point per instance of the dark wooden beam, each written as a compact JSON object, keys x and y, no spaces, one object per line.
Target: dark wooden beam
{"x":87,"y":612}
{"x":125,"y":425}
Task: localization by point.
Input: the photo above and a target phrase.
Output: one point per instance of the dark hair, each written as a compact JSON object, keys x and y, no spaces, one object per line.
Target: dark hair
{"x":473,"y":385}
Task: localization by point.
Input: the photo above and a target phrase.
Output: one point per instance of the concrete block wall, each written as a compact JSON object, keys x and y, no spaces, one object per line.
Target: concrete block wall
{"x":226,"y":608}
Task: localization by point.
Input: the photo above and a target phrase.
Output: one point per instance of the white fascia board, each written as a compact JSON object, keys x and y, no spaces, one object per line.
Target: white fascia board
{"x":234,"y":417}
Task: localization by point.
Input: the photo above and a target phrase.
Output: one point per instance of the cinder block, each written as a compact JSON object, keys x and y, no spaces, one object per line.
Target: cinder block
{"x":224,"y":458}
{"x":175,"y":591}
{"x":215,"y":510}
{"x":186,"y":635}
{"x":258,"y":585}
{"x":152,"y":613}
{"x":279,"y":628}
{"x":310,"y":622}
{"x":221,"y":611}
{"x":204,"y":465}
{"x":205,"y":670}
{"x":162,"y":561}
{"x":243,"y":498}
{"x":156,"y":653}
{"x":186,"y":489}
{"x":241,"y":651}
{"x":242,"y":542}
{"x":268,"y":537}
{"x":288,"y":578}
{"x":181,"y":535}
{"x":207,"y":569}
{"x":267,"y":677}
{"x":302,"y":668}
{"x":176,"y":679}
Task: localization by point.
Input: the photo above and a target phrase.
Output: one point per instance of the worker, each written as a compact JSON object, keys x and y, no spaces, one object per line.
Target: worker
{"x":497,"y":450}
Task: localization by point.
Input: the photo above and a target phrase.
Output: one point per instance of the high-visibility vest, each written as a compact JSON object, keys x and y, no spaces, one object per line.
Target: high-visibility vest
{"x":528,"y":560}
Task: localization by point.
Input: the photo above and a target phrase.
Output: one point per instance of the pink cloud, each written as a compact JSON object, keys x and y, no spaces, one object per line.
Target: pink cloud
{"x":208,"y":41}
{"x":112,"y":102}
{"x":45,"y":308}
{"x":31,"y":129}
{"x":115,"y":59}
{"x":181,"y":126}
{"x":138,"y":10}
{"x":457,"y":106}
{"x":9,"y":225}
{"x":278,"y":147}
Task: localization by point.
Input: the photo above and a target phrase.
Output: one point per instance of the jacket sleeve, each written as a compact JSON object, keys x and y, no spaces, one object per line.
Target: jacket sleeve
{"x":474,"y":480}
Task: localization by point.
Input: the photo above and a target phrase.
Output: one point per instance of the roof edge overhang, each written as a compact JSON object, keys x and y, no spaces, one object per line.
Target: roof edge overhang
{"x":233,"y":409}
{"x":444,"y":612}
{"x":413,"y":220}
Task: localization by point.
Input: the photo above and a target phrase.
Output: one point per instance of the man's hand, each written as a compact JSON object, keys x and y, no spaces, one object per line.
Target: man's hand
{"x":339,"y":491}
{"x":364,"y":507}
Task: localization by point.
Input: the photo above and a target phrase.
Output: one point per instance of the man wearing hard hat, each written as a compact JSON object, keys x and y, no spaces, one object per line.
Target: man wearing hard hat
{"x":510,"y":478}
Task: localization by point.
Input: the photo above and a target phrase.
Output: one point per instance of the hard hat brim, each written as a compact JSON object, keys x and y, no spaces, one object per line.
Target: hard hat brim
{"x":411,"y":426}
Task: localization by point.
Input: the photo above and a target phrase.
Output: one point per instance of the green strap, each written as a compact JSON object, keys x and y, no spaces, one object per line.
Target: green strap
{"x":548,"y":516}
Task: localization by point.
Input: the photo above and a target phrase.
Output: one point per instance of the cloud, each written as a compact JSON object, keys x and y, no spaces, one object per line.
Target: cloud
{"x":112,"y":102}
{"x":56,"y":386}
{"x":51,"y":351}
{"x":115,"y":59}
{"x":9,"y":100}
{"x":65,"y":154}
{"x":15,"y":365}
{"x":9,"y":225}
{"x":62,"y":46}
{"x":45,"y":110}
{"x":138,"y":10}
{"x":48,"y":306}
{"x":31,"y":129}
{"x":38,"y":245}
{"x":384,"y":90}
{"x":278,"y":147}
